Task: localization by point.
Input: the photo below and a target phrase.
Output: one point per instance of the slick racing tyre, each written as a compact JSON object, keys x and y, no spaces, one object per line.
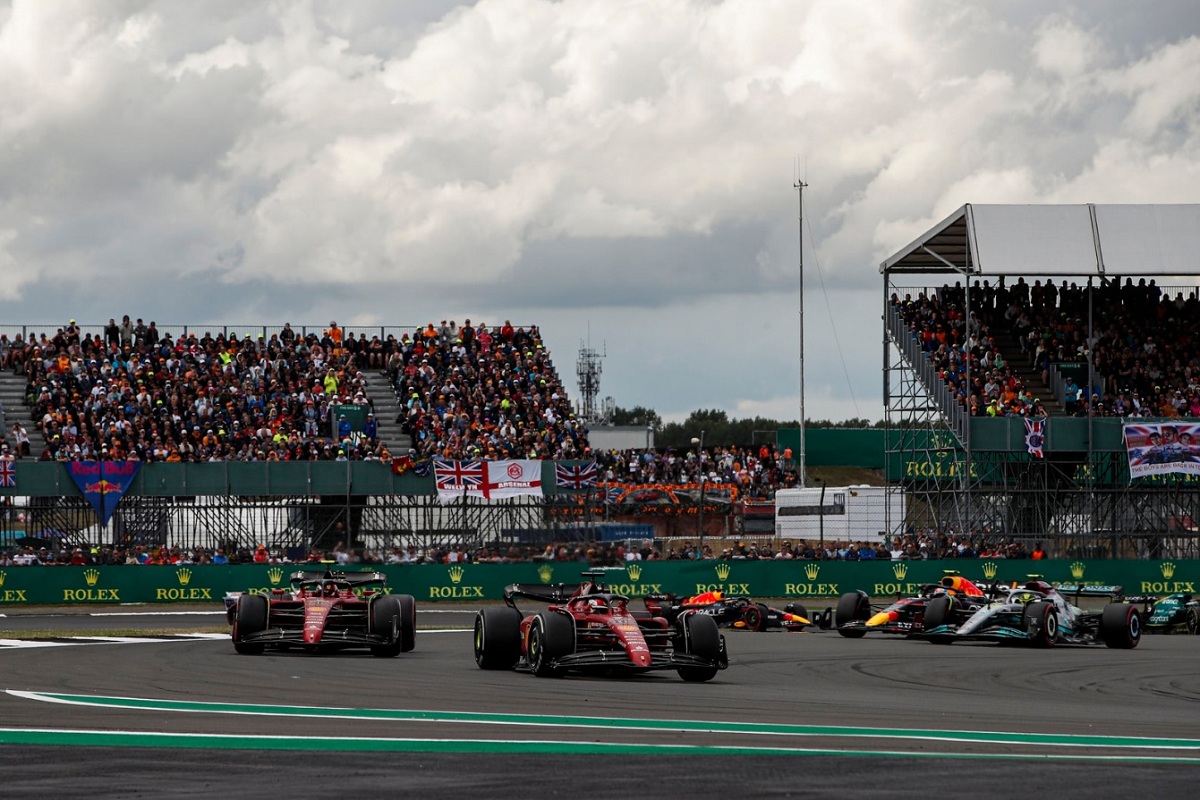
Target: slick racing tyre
{"x":704,"y":640}
{"x":408,"y":615}
{"x":754,"y":618}
{"x":937,"y":613}
{"x":498,"y":638}
{"x":852,"y":607}
{"x":551,"y":636}
{"x":1191,"y":621}
{"x":250,"y":617}
{"x":399,"y":610}
{"x":1041,"y":621}
{"x":1121,"y":626}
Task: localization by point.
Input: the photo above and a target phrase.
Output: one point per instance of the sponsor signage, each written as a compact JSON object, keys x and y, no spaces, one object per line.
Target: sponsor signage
{"x":478,"y":583}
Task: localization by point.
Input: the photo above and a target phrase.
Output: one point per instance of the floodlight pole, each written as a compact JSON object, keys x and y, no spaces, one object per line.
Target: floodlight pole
{"x":800,"y":186}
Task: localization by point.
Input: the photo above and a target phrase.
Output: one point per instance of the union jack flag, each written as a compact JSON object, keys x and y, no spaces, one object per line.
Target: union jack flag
{"x":8,"y":473}
{"x":1035,"y":436}
{"x":575,"y":477}
{"x":612,"y":493}
{"x":452,"y":475}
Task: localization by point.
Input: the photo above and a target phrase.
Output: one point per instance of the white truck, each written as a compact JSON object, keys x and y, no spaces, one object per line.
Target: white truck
{"x":846,"y":513}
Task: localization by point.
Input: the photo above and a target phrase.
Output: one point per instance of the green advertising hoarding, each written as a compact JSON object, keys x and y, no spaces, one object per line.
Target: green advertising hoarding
{"x":486,"y":582}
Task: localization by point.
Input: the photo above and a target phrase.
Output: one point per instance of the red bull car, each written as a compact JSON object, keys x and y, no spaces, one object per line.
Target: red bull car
{"x":325,"y":612}
{"x":856,"y":615}
{"x":587,"y":628}
{"x":730,"y":612}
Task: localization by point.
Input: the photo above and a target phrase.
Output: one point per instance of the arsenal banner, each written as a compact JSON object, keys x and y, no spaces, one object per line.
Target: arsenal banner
{"x":489,"y":480}
{"x":1159,"y":449}
{"x":103,"y":483}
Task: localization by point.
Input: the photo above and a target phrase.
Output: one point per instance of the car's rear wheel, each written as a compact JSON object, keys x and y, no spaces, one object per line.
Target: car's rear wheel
{"x":386,"y":616}
{"x":551,"y":636}
{"x":1191,"y":621}
{"x":702,"y":639}
{"x":497,"y":638}
{"x":250,"y":617}
{"x":1121,"y":626}
{"x":1041,"y":621}
{"x":852,"y":607}
{"x":937,"y":612}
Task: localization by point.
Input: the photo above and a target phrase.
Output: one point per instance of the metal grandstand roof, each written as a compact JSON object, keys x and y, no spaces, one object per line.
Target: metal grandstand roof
{"x":1084,"y":240}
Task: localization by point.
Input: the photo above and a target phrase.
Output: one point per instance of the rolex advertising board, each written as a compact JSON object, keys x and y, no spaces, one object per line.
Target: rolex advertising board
{"x":479,"y":583}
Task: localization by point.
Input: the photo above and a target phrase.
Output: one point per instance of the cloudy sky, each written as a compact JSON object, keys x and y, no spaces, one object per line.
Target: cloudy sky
{"x":621,"y":174}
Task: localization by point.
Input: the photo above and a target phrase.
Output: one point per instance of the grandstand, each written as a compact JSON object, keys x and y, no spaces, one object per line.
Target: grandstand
{"x":274,"y":393}
{"x":1079,"y":319}
{"x":250,"y":394}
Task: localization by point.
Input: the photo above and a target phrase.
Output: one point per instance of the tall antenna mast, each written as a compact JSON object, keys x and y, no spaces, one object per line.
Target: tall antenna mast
{"x":800,"y":186}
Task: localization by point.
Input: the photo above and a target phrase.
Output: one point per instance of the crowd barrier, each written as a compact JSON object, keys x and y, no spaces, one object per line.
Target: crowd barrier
{"x":53,"y":585}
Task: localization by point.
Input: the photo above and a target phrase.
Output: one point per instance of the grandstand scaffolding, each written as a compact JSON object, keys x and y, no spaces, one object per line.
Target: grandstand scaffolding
{"x":974,"y":475}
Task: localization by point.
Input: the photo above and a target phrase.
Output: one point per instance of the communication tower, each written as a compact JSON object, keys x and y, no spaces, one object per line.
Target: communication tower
{"x":587,"y":370}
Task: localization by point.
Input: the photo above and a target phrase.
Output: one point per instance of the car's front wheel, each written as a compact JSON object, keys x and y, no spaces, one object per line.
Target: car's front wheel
{"x":700,"y":637}
{"x":388,"y":621}
{"x":1121,"y":626}
{"x":937,"y":612}
{"x":250,"y":617}
{"x":1041,"y":622}
{"x":551,"y":636}
{"x":852,"y":607}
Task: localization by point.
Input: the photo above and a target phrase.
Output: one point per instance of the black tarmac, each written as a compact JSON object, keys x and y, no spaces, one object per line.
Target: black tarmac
{"x":906,"y":691}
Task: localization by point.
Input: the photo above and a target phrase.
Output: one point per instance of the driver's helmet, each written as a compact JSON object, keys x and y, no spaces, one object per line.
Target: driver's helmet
{"x":330,"y":588}
{"x":597,"y":606}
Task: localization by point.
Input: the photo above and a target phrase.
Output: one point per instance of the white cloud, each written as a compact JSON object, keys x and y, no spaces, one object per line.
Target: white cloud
{"x":620,"y":170}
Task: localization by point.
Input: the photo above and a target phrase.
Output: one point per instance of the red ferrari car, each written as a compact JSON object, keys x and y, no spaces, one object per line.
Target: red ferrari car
{"x":588,"y":628}
{"x":325,"y":612}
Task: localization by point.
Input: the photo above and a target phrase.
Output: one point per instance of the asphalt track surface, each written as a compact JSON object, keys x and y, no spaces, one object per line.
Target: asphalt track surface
{"x":795,"y":715}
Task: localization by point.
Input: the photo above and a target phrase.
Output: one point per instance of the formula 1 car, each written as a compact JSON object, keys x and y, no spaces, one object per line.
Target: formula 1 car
{"x":954,"y":598}
{"x":588,"y":628}
{"x":1037,"y":614}
{"x":324,"y":612}
{"x":1174,"y":613}
{"x":730,"y":612}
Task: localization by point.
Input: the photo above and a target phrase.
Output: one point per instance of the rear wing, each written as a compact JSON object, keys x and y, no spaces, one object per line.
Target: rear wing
{"x":1091,"y":590}
{"x":544,"y":593}
{"x":354,"y":579}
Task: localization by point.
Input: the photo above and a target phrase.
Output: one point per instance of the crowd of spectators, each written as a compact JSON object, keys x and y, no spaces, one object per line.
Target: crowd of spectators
{"x":912,"y":546}
{"x":755,"y":472}
{"x":480,"y":392}
{"x":1142,"y":345}
{"x":133,"y":393}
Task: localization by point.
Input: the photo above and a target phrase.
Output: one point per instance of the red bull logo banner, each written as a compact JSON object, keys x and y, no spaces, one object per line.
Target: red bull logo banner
{"x":103,"y":483}
{"x":1158,"y":449}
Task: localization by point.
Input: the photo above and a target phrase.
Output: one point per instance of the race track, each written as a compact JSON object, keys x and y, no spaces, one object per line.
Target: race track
{"x":810,"y":714}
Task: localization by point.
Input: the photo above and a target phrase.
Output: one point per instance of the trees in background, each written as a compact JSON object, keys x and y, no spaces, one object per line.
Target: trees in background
{"x":718,"y":428}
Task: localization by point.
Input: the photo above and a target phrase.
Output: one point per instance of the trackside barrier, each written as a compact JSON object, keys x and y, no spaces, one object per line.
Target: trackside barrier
{"x":55,"y":585}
